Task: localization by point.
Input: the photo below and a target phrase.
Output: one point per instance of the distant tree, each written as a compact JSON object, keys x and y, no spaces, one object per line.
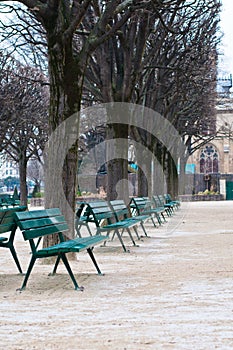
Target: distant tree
{"x":6,"y":61}
{"x":112,"y":76}
{"x":24,"y":106}
{"x":163,"y":58}
{"x":35,"y":172}
{"x":16,"y":194}
{"x":10,"y":182}
{"x":179,"y":79}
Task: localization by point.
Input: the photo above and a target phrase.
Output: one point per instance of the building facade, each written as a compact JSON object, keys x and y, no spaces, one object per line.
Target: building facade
{"x":213,"y":162}
{"x":8,"y":168}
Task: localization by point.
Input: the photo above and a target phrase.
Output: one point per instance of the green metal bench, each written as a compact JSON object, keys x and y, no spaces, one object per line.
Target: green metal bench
{"x":160,"y":206}
{"x":169,"y":200}
{"x":7,"y":200}
{"x":122,"y":212}
{"x":39,"y":223}
{"x":143,"y":206}
{"x":82,"y":219}
{"x":169,"y":206}
{"x":8,"y":225}
{"x":102,"y":215}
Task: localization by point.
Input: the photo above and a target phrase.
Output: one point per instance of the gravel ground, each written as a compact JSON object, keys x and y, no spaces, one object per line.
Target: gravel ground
{"x":173,"y":291}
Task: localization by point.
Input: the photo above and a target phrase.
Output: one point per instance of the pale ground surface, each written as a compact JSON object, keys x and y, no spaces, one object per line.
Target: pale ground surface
{"x":174,"y":291}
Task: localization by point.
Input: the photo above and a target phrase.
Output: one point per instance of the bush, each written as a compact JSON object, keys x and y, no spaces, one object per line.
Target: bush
{"x":39,"y":195}
{"x":15,"y":194}
{"x":207,"y":193}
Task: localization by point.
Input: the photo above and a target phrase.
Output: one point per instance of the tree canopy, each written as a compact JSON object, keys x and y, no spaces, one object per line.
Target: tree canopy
{"x":161,"y":54}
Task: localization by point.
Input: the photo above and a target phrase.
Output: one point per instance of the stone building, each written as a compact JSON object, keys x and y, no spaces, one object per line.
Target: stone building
{"x":213,"y":162}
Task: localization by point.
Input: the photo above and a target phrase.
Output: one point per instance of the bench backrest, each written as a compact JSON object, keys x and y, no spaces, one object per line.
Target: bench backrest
{"x":100,"y":211}
{"x":39,"y":223}
{"x":7,"y":218}
{"x":157,"y":202}
{"x":119,"y":209}
{"x":148,"y":203}
{"x":168,"y":198}
{"x":140,"y":204}
{"x":161,"y":199}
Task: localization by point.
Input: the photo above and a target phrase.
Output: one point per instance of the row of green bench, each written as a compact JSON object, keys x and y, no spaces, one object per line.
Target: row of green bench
{"x":114,"y":216}
{"x":39,"y":223}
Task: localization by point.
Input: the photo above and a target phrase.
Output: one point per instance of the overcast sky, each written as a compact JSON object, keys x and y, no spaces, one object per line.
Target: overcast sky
{"x":226,"y":60}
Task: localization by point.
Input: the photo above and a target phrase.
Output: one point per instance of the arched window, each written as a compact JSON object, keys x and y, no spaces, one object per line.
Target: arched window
{"x":209,"y":160}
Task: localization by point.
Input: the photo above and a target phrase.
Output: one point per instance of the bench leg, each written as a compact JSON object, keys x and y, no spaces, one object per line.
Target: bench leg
{"x":32,"y":262}
{"x":90,"y":252}
{"x":10,"y":245}
{"x":13,"y":252}
{"x":120,"y":239}
{"x":158,"y":218}
{"x":131,"y":237}
{"x":164,"y":219}
{"x":67,"y":265}
{"x":136,"y":232}
{"x":55,"y":266}
{"x":77,"y":228}
{"x":89,"y":230}
{"x":153,"y":222}
{"x":143,"y":228}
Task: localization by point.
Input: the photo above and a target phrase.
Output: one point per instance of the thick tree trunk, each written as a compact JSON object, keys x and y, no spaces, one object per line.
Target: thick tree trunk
{"x":158,"y":173}
{"x":142,"y":183}
{"x":23,"y":178}
{"x":61,"y":158}
{"x":182,"y":176}
{"x":144,"y":173}
{"x":172,"y":177}
{"x":117,"y":168}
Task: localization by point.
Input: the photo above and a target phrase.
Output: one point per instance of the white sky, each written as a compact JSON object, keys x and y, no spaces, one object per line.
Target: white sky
{"x":226,"y":60}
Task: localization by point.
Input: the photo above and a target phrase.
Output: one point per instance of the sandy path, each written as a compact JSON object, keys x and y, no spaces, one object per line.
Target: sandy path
{"x":174,"y":291}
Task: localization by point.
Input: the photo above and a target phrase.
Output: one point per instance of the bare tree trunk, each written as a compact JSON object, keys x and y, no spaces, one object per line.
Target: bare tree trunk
{"x":144,"y":173}
{"x":61,"y":174}
{"x":23,"y":178}
{"x":142,"y":183}
{"x":117,"y":185}
{"x":182,"y":177}
{"x":158,"y":173}
{"x":172,"y":177}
